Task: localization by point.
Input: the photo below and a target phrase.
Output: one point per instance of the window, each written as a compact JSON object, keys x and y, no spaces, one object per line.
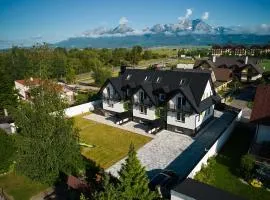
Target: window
{"x":199,"y":117}
{"x":162,"y":97}
{"x":141,"y":96}
{"x":208,"y":111}
{"x":108,"y":91}
{"x":128,"y":76}
{"x":158,"y":79}
{"x":180,"y":117}
{"x":184,"y":101}
{"x":146,"y":78}
{"x":182,"y":82}
{"x":179,"y":102}
{"x":128,"y":92}
{"x":141,"y":109}
{"x":145,"y":110}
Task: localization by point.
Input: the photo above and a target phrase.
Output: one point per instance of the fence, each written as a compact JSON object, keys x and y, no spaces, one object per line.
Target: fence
{"x":216,"y":146}
{"x":80,"y":109}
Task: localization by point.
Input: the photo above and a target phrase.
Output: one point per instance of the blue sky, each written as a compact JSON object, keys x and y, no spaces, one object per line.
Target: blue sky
{"x":54,"y":20}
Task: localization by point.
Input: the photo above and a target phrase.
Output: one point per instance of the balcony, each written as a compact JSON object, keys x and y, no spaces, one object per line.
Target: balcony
{"x":111,"y":99}
{"x":175,"y":108}
{"x":145,"y":102}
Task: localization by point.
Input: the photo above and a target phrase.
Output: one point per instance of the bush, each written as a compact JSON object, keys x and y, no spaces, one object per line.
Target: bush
{"x":7,"y":151}
{"x":247,"y":166}
{"x":205,"y":175}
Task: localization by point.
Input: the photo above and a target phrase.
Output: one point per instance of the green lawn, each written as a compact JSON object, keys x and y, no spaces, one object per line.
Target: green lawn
{"x":20,"y":187}
{"x":266,"y":64}
{"x":223,"y":170}
{"x":111,"y":144}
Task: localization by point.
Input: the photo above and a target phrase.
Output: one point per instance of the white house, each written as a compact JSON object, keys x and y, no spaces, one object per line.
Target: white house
{"x":179,"y":100}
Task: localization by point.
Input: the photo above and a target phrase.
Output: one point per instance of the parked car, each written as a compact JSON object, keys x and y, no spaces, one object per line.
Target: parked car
{"x":164,"y":182}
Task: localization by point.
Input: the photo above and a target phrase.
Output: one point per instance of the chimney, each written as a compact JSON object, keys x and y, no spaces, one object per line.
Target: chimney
{"x":246,"y":60}
{"x":122,"y":69}
{"x":214,"y":59}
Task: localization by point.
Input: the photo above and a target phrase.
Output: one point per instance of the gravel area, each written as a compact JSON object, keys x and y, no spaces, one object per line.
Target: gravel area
{"x":158,"y":153}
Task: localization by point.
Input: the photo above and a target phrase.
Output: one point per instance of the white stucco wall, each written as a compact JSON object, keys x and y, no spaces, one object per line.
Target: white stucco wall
{"x":216,"y":146}
{"x":107,"y":105}
{"x":80,"y":109}
{"x":263,"y":134}
{"x":191,"y":121}
{"x":207,"y":91}
{"x":151,"y":112}
{"x":21,"y":89}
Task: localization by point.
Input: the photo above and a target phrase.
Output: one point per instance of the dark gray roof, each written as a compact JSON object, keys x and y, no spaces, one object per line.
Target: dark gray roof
{"x":166,"y":81}
{"x":231,"y":62}
{"x":201,"y":191}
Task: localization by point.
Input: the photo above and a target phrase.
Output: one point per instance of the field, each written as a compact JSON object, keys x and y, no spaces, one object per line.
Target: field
{"x":266,"y":64}
{"x":110,"y":144}
{"x":223,"y":170}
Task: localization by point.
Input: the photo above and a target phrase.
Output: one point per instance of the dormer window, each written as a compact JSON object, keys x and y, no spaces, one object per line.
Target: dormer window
{"x":158,"y":79}
{"x":182,"y":82}
{"x":162,"y":97}
{"x":128,"y":76}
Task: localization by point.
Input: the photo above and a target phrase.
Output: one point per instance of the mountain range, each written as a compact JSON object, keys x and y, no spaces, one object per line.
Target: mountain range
{"x":185,"y":32}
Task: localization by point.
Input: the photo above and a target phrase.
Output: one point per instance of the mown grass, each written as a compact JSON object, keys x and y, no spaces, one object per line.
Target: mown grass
{"x":20,"y":187}
{"x":266,"y":64}
{"x":110,"y":144}
{"x":223,"y":170}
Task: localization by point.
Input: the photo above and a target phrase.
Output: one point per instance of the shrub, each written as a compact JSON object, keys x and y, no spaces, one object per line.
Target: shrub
{"x":205,"y":175}
{"x":247,"y":166}
{"x":7,"y":151}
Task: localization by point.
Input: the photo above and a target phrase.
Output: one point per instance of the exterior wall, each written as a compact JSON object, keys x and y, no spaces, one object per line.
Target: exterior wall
{"x":193,"y":121}
{"x":80,"y":109}
{"x":110,"y":105}
{"x":207,"y":91}
{"x":21,"y":89}
{"x":151,"y":112}
{"x":216,"y":146}
{"x":262,"y":134}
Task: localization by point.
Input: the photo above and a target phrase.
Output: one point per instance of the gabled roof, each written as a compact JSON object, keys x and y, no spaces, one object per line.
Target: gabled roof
{"x":191,"y":83}
{"x":261,"y":109}
{"x":222,"y":74}
{"x":33,"y":82}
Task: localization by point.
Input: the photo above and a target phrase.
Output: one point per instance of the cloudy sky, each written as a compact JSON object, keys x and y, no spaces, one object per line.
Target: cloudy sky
{"x":53,"y":20}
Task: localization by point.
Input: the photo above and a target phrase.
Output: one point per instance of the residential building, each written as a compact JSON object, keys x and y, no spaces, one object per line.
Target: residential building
{"x":244,"y":68}
{"x":261,"y":117}
{"x":240,"y":50}
{"x":179,"y":100}
{"x":24,"y":86}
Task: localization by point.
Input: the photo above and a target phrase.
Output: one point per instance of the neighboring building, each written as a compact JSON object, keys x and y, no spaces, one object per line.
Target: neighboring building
{"x":191,"y":189}
{"x":180,"y":100}
{"x":240,"y":50}
{"x":23,"y":87}
{"x":244,"y":68}
{"x":261,"y":116}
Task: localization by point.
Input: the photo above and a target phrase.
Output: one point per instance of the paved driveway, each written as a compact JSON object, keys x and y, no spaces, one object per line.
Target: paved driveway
{"x":159,"y":152}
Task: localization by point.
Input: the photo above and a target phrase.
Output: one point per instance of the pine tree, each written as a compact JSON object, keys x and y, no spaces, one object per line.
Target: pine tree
{"x":110,"y":191}
{"x":133,"y":179}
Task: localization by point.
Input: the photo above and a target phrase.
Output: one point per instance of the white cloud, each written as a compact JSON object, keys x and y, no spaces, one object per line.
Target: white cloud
{"x":187,"y":15}
{"x":205,"y":16}
{"x":123,"y":20}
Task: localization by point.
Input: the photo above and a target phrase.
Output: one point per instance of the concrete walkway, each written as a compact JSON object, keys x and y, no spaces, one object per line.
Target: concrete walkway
{"x":130,"y":126}
{"x":158,"y":153}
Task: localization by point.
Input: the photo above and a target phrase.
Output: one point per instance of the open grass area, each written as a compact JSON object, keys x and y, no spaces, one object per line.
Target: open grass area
{"x":20,"y":187}
{"x":266,"y":64}
{"x":223,"y":170}
{"x":110,"y":144}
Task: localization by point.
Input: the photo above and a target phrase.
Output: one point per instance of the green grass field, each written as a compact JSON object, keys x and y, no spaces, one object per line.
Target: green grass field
{"x":223,"y":170}
{"x":266,"y":64}
{"x":20,"y":187}
{"x":111,"y":144}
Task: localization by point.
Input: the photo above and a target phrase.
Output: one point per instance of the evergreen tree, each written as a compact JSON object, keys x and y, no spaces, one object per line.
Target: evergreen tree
{"x":133,"y":179}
